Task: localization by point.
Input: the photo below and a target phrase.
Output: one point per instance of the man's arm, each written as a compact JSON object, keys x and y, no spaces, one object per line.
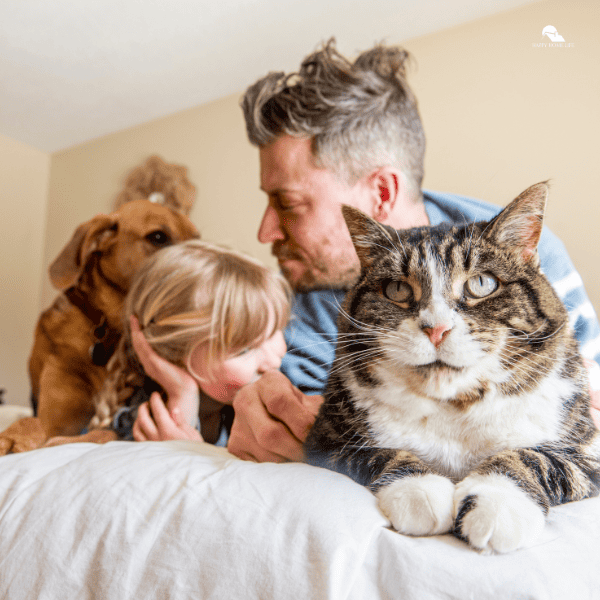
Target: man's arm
{"x":272,"y":420}
{"x":273,"y":415}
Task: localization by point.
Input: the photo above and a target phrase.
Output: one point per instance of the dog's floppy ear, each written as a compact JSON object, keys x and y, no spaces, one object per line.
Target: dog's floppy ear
{"x":69,"y":264}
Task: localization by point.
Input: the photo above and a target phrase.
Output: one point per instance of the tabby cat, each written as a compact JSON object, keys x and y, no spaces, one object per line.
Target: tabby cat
{"x":458,"y":395}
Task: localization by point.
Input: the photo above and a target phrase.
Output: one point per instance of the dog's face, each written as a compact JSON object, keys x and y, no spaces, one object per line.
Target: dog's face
{"x":120,"y":242}
{"x":141,"y":228}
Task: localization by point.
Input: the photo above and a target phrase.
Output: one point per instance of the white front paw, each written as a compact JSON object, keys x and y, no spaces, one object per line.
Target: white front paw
{"x":419,"y":505}
{"x":494,"y":514}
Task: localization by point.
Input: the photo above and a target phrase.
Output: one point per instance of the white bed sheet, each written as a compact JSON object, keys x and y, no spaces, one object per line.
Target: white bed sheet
{"x":178,"y":520}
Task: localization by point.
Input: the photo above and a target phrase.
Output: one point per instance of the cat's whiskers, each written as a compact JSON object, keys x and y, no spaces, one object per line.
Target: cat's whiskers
{"x":532,"y":336}
{"x":361,"y":325}
{"x":365,"y":356}
{"x":370,"y":336}
{"x":516,"y":345}
{"x":393,"y":247}
{"x":401,"y":244}
{"x":525,"y":367}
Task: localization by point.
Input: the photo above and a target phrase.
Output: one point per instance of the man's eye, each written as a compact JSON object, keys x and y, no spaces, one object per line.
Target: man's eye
{"x":283,"y":205}
{"x":280,"y":202}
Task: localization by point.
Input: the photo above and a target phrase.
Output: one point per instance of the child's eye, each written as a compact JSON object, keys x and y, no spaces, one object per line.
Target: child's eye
{"x":244,"y":351}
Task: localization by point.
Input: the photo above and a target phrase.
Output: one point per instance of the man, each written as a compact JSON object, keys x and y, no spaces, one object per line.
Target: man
{"x":338,"y":133}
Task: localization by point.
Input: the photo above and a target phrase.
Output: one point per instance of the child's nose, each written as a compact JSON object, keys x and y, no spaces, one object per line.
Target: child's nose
{"x":271,"y":360}
{"x":273,"y":352}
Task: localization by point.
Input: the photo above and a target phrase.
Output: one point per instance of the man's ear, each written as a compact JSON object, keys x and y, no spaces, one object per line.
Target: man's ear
{"x":385,"y":186}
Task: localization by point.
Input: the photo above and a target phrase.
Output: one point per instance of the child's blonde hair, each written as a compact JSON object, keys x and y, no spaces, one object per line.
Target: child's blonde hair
{"x":190,"y":294}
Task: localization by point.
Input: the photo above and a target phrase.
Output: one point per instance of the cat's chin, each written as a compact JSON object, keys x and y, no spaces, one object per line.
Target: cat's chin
{"x":439,"y":380}
{"x":437,"y":366}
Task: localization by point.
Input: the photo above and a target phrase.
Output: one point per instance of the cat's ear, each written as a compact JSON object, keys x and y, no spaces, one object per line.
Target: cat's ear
{"x":519,"y":226}
{"x":368,"y":236}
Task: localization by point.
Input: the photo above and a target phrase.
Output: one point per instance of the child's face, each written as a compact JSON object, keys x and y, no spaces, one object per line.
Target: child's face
{"x":236,"y":371}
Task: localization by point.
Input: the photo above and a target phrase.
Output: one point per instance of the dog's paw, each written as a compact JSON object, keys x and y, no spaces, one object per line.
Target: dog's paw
{"x":419,"y":505}
{"x":23,"y":435}
{"x":493,"y":514}
{"x":96,"y":436}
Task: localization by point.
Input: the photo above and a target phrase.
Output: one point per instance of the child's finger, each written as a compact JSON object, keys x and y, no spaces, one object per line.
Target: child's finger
{"x":144,"y":423}
{"x":160,"y":414}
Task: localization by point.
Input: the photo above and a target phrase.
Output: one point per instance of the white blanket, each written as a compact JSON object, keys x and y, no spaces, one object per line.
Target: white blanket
{"x":179,"y":520}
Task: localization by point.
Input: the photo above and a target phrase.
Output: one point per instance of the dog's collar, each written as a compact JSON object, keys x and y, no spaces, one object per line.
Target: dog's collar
{"x":106,"y":339}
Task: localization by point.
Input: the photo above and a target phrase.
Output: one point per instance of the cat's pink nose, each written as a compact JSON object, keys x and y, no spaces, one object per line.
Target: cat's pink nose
{"x":438,"y":333}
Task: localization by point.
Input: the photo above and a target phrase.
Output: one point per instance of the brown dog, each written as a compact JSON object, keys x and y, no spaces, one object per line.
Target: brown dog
{"x":77,"y":335}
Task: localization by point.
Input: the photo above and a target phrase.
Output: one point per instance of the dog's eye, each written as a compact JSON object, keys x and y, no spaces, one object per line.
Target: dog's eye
{"x":158,"y":238}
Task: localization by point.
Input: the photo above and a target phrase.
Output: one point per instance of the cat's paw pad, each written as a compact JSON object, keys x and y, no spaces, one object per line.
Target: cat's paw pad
{"x":419,"y":505}
{"x":494,"y":515}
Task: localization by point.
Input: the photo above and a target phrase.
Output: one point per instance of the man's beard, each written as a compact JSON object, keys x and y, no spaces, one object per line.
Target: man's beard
{"x":317,"y":275}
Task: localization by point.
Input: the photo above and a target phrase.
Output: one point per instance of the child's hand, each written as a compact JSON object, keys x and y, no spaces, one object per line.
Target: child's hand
{"x":181,"y":388}
{"x":154,"y":423}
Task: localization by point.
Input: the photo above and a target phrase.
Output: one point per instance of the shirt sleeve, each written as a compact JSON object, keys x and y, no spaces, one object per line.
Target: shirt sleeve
{"x":560,"y":271}
{"x":311,"y":336}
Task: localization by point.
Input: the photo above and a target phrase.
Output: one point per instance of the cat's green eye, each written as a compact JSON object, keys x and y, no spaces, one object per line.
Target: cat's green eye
{"x":481,"y":286}
{"x":397,"y":291}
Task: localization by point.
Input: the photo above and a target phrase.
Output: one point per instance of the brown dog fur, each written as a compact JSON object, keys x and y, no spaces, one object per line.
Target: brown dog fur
{"x":98,"y":263}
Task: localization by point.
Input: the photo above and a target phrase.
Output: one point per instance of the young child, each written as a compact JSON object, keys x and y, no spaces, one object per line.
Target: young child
{"x":202,"y":321}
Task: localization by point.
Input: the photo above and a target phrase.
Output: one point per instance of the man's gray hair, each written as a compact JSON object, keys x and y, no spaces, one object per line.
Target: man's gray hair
{"x":360,"y":115}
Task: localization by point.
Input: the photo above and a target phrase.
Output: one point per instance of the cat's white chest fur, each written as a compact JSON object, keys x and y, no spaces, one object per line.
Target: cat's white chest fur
{"x":455,"y":440}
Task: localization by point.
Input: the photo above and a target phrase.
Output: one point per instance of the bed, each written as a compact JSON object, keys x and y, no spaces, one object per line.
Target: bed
{"x":179,"y":520}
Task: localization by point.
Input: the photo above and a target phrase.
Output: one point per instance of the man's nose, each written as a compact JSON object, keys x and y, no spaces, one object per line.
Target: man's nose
{"x":270,"y":227}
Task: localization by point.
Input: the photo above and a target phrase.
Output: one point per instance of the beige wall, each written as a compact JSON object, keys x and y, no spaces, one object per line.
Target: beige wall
{"x":499,"y":115}
{"x":24,"y":173}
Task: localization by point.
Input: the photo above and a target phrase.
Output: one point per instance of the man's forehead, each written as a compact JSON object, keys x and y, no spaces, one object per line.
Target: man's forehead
{"x":285,"y":163}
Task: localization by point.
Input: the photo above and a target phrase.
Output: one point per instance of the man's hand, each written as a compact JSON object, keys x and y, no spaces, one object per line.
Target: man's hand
{"x":155,"y":423}
{"x":181,"y":388}
{"x":272,"y":420}
{"x":594,"y":375}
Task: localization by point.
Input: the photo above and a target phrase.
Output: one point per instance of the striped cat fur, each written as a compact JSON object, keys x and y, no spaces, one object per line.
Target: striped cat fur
{"x":458,"y":395}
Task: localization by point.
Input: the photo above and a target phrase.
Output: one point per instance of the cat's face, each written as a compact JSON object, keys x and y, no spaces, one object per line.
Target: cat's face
{"x":453,"y":311}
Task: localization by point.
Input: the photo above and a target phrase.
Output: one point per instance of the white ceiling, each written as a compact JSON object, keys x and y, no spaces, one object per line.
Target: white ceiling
{"x":75,"y":70}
